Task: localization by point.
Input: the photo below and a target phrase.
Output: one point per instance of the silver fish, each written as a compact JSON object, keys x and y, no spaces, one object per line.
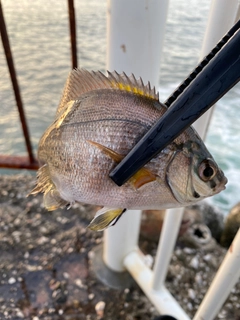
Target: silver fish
{"x":99,"y":120}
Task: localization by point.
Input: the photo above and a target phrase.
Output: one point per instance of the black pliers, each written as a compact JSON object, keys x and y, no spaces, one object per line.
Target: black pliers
{"x":210,"y":80}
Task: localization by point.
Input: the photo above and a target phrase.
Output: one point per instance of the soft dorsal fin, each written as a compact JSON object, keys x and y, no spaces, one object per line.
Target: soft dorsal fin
{"x":81,"y":81}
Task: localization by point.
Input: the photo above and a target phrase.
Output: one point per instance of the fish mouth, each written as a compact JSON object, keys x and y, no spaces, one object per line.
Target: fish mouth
{"x":221,"y":186}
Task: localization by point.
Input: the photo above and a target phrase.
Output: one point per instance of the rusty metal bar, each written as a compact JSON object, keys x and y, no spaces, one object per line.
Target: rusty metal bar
{"x":72,"y":26}
{"x":17,"y":162}
{"x":9,"y":58}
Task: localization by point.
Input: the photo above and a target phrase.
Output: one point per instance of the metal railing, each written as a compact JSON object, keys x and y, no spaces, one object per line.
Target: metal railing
{"x":120,"y":247}
{"x":28,"y":162}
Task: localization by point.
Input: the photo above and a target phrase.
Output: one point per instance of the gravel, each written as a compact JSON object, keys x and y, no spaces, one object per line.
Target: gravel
{"x":46,"y":272}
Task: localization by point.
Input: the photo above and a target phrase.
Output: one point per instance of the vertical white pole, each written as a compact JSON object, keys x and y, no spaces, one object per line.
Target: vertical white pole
{"x":162,"y":299}
{"x":166,"y":245}
{"x":135,"y":32}
{"x":223,"y":13}
{"x":222,"y":16}
{"x":121,"y":239}
{"x":226,"y":277}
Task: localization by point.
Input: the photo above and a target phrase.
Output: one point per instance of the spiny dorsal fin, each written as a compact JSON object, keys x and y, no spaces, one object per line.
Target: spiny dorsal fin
{"x":81,"y":81}
{"x":130,"y":84}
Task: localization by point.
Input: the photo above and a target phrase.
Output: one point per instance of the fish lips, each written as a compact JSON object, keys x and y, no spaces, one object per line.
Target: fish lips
{"x":221,"y":186}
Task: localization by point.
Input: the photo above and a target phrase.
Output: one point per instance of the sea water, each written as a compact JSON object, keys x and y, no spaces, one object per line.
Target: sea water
{"x":39,"y":37}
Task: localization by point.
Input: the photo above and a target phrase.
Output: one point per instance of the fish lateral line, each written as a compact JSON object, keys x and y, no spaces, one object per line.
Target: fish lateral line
{"x":146,"y":127}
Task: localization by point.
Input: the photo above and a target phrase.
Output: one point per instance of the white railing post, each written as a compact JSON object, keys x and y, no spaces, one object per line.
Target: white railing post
{"x":121,"y":239}
{"x":135,"y":37}
{"x":162,"y":299}
{"x":226,"y":277}
{"x":223,"y":14}
{"x":135,"y":31}
{"x":166,"y":245}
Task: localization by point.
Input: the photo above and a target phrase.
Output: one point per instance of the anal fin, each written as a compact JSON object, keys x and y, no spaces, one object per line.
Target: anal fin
{"x":105,"y":218}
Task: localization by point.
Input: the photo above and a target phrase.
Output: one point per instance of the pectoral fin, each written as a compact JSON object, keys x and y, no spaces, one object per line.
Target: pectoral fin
{"x":109,"y":152}
{"x":105,"y":218}
{"x":140,"y":178}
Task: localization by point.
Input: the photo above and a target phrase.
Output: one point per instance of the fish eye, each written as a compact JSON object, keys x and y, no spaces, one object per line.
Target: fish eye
{"x":207,"y":170}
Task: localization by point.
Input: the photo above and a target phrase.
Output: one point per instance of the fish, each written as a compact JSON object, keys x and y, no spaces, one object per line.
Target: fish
{"x":100,"y":118}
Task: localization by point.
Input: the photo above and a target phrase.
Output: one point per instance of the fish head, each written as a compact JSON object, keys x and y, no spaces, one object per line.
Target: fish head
{"x":192,"y":174}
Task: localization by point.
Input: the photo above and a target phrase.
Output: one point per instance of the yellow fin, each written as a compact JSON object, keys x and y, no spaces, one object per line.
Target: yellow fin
{"x":81,"y":81}
{"x":140,"y":178}
{"x":105,"y":218}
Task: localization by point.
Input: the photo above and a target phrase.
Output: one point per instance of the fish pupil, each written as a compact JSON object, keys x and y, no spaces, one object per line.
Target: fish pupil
{"x":208,"y":172}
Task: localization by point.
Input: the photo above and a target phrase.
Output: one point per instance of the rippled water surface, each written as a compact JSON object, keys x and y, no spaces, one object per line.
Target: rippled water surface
{"x":39,"y":37}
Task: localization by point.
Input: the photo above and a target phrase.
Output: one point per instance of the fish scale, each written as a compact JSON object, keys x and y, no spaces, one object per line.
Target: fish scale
{"x":98,"y":121}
